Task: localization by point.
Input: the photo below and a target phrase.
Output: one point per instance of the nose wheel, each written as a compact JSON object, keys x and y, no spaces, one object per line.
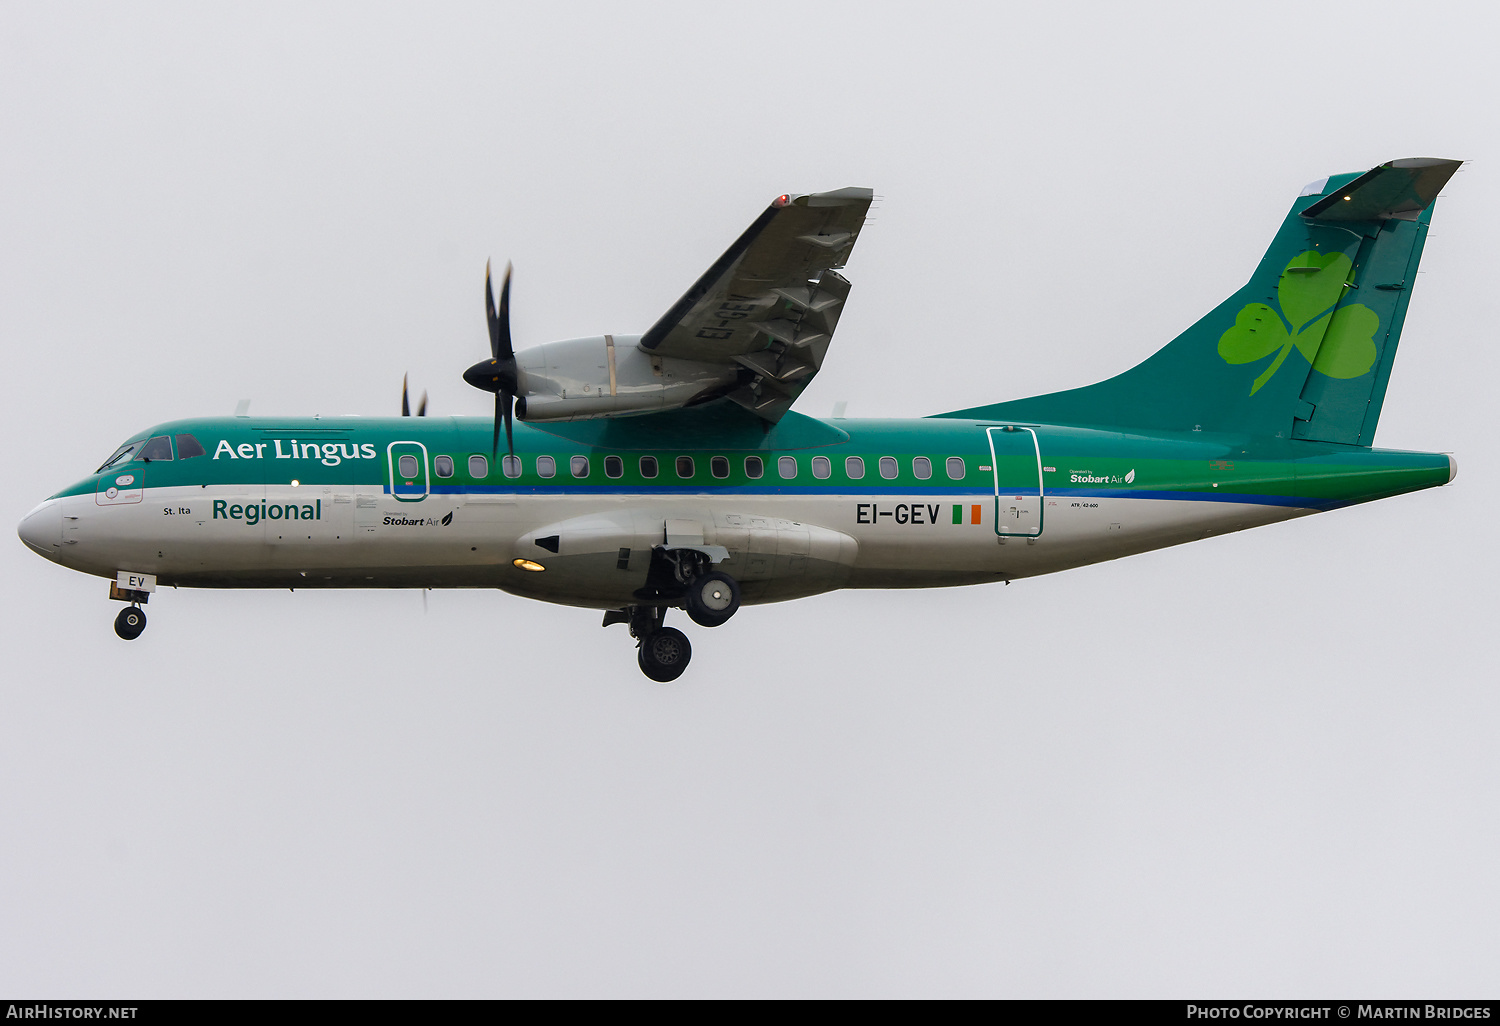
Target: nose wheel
{"x":130,"y":622}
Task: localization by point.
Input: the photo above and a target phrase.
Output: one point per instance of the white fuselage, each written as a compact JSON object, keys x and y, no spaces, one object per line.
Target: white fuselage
{"x":778,"y":546}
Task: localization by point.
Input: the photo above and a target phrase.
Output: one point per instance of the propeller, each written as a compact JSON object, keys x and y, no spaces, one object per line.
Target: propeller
{"x":498,"y":374}
{"x":406,"y":406}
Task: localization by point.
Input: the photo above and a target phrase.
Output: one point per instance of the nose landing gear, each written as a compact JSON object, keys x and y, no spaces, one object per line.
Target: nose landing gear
{"x":132,"y":619}
{"x":130,"y":622}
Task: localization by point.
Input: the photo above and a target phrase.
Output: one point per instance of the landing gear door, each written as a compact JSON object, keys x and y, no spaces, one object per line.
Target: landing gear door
{"x":1016,"y":458}
{"x":406,"y":463}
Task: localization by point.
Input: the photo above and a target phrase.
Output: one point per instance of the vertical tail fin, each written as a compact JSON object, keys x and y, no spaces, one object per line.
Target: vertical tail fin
{"x":1305,"y":349}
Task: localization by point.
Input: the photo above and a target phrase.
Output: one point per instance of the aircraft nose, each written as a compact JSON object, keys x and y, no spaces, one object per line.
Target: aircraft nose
{"x":41,"y":529}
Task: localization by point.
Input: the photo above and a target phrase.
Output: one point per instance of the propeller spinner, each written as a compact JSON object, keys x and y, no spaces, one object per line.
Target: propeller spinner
{"x":498,"y":374}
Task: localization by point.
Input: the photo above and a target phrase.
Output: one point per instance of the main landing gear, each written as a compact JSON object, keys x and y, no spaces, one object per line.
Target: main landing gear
{"x":663,"y":652}
{"x":710,"y":598}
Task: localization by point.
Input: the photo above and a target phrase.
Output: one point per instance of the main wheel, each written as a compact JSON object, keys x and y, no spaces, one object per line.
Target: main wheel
{"x":712,"y":599}
{"x":130,"y":622}
{"x":665,"y":654}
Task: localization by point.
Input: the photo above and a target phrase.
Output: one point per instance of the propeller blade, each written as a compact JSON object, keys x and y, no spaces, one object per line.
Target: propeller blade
{"x":405,"y":406}
{"x":499,"y":373}
{"x":422,"y":406}
{"x":491,"y":318}
{"x":499,"y":321}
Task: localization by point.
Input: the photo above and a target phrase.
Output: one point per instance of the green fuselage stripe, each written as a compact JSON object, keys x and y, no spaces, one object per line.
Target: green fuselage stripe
{"x":365,"y":453}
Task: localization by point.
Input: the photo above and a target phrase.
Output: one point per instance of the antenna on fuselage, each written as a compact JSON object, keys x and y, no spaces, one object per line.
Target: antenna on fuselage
{"x":242,"y":408}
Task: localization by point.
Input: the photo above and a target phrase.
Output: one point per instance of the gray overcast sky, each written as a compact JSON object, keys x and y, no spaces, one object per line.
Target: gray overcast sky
{"x":1261,"y":764}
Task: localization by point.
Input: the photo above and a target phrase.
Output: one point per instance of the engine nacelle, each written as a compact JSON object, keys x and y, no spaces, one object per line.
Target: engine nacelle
{"x":611,"y":376}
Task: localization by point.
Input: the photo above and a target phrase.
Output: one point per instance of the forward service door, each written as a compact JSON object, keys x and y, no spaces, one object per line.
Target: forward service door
{"x":1016,"y":458}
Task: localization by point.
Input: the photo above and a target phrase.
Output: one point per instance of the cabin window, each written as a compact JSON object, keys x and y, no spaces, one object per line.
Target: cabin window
{"x":188,"y":447}
{"x":158,"y":448}
{"x":510,"y":466}
{"x":579,"y":465}
{"x":719,"y":467}
{"x":888,"y":467}
{"x":821,"y":467}
{"x":443,"y":466}
{"x":479,"y":467}
{"x":922,"y":468}
{"x":685,"y":467}
{"x":406,"y":466}
{"x":648,"y":467}
{"x":787,"y":467}
{"x":853,"y":466}
{"x":755,"y":468}
{"x":614,"y":467}
{"x":956,"y":468}
{"x":121,"y":454}
{"x":546,"y":466}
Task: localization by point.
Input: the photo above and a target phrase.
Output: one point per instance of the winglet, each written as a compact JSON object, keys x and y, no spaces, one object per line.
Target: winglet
{"x":1401,"y":189}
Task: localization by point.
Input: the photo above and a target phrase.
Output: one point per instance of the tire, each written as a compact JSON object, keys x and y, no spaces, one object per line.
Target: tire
{"x":664,"y":654}
{"x":712,"y":599}
{"x":130,"y":622}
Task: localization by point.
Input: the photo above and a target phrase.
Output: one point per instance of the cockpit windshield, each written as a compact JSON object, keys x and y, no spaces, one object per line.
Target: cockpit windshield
{"x":158,"y":448}
{"x":122,"y":454}
{"x":188,"y":447}
{"x":152,"y":449}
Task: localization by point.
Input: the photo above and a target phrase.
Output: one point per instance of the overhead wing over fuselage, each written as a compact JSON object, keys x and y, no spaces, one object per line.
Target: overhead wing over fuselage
{"x":753,"y":329}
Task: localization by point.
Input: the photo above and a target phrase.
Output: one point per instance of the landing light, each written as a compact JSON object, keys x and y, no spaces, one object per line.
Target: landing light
{"x":295,"y":482}
{"x":527,"y":564}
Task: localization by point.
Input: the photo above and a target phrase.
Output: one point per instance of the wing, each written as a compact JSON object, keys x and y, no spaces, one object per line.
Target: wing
{"x":771,"y":302}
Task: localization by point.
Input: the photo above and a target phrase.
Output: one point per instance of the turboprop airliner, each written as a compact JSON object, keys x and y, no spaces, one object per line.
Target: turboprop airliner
{"x":667,"y":471}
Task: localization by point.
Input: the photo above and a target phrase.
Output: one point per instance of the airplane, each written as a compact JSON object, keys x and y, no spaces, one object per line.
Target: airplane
{"x":667,"y":470}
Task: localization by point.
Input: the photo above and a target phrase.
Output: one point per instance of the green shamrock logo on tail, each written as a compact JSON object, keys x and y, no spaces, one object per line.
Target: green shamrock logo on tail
{"x":1310,"y":285}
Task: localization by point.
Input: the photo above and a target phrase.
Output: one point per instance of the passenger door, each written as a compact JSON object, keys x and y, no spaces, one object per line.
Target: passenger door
{"x":406,"y":465}
{"x":1016,"y":457}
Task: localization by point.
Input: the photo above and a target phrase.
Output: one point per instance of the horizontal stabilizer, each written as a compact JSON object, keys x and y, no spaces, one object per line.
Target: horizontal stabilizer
{"x":1400,"y":189}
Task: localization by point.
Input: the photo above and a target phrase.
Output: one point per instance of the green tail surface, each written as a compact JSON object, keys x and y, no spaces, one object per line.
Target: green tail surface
{"x":1305,"y":349}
